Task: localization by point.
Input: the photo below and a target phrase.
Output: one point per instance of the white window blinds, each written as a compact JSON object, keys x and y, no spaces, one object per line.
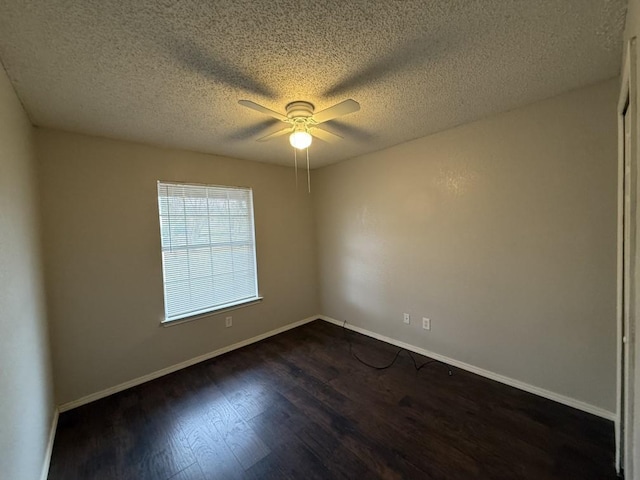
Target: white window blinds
{"x":208,"y":248}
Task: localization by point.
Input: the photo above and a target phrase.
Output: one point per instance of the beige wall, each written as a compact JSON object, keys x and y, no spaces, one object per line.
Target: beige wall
{"x":502,"y":231}
{"x":103,"y":260}
{"x":26,"y":392}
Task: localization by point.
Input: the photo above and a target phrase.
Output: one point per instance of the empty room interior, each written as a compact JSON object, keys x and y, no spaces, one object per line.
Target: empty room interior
{"x":251,"y":239}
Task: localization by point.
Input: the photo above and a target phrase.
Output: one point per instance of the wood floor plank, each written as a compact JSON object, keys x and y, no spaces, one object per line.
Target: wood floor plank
{"x":383,"y":459}
{"x":283,"y":421}
{"x":299,"y":405}
{"x":192,"y":472}
{"x":214,"y":456}
{"x":292,"y":460}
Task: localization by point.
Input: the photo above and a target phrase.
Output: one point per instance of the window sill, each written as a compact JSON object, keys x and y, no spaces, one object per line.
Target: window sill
{"x":218,"y":311}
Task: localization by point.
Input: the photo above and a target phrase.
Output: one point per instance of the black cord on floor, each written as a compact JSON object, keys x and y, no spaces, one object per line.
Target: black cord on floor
{"x":384,"y":367}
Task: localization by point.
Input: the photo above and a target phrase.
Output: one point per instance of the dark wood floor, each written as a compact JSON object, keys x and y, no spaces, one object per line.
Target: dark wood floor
{"x":298,"y":406}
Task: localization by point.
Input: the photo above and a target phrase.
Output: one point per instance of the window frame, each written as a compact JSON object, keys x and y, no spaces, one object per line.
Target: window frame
{"x":221,"y":308}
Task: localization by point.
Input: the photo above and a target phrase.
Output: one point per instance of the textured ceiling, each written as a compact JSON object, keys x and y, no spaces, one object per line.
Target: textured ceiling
{"x":170,"y":73}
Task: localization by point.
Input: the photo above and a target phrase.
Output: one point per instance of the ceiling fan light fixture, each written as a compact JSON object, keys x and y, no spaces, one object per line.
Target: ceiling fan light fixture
{"x":301,"y":118}
{"x":300,"y":139}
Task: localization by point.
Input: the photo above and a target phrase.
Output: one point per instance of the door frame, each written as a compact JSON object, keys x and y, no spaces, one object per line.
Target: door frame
{"x":626,"y":243}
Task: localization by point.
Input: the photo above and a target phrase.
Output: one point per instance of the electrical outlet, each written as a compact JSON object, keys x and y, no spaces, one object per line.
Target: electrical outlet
{"x":228,"y":322}
{"x":407,"y":318}
{"x":426,"y":323}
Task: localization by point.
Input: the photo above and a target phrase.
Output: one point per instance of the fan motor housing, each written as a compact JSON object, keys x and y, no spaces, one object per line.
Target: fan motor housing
{"x":299,"y":109}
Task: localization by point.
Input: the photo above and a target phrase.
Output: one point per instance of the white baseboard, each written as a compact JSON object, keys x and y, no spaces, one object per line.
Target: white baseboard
{"x":571,"y":402}
{"x":179,"y":366}
{"x":49,"y":451}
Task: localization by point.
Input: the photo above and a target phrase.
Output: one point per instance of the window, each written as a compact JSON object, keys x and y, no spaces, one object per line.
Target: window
{"x":208,"y":248}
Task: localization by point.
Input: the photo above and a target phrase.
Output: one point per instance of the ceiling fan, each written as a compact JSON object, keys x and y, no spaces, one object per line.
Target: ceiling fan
{"x":303,"y":123}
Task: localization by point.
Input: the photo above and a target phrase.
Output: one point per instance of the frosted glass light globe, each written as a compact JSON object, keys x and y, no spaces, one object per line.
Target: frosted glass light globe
{"x":300,"y":140}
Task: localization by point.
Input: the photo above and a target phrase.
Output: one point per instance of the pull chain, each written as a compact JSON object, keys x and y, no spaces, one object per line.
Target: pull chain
{"x":295,"y":161}
{"x":308,"y":172}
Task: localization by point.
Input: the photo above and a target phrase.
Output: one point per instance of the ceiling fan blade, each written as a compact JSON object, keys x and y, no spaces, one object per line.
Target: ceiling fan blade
{"x":325,"y":135}
{"x":342,"y":108}
{"x":279,"y":133}
{"x":261,"y":109}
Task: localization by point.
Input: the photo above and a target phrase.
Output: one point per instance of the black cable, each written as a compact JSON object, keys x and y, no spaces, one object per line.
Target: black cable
{"x":384,"y":367}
